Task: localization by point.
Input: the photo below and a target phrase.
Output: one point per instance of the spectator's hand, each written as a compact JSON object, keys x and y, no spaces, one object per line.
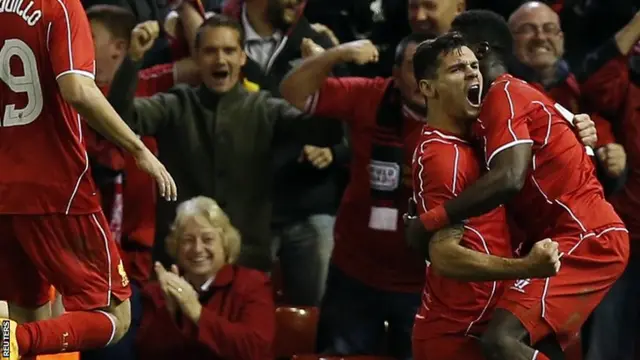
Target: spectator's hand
{"x":148,"y":163}
{"x":586,"y":129}
{"x":317,"y":156}
{"x":543,"y":259}
{"x":360,"y":52}
{"x":324,"y":30}
{"x":143,"y":37}
{"x":614,"y":159}
{"x":161,"y":273}
{"x":185,"y":295}
{"x":309,"y":48}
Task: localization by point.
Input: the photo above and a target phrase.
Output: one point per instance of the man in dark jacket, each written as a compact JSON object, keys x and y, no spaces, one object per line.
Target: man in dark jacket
{"x":307,"y":178}
{"x":217,"y":138}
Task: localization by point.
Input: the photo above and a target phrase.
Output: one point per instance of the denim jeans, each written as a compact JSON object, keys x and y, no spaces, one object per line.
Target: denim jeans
{"x":304,"y":249}
{"x":125,"y":348}
{"x":612,"y":329}
{"x":353,"y":316}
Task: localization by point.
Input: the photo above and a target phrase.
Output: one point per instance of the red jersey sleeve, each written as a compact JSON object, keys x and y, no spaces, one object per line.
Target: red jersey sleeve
{"x":503,"y":119}
{"x":69,"y":40}
{"x":340,"y":98}
{"x":436,"y":174}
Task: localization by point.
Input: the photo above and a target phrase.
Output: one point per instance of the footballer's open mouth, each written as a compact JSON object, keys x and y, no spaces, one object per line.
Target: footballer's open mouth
{"x":474,"y":93}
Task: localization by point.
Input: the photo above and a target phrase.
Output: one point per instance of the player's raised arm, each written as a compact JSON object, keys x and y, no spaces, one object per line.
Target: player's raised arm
{"x":72,"y":58}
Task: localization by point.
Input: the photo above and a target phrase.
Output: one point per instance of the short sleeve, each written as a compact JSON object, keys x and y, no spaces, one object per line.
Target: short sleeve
{"x":436,"y":174}
{"x":69,"y":41}
{"x":503,"y":119}
{"x":339,"y":98}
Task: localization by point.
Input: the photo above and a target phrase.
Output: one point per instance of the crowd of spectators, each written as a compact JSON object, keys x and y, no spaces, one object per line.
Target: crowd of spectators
{"x":298,"y":180}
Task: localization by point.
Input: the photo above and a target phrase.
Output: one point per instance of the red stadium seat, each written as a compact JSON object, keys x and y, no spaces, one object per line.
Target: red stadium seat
{"x":324,"y":357}
{"x":296,"y":329}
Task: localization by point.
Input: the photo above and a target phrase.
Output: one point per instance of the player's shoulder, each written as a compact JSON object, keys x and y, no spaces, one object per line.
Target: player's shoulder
{"x":53,"y":9}
{"x":431,"y":138}
{"x":506,"y":84}
{"x":64,"y":11}
{"x":437,"y":147}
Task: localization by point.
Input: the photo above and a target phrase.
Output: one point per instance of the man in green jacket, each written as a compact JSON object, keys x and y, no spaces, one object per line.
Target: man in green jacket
{"x":216,"y":139}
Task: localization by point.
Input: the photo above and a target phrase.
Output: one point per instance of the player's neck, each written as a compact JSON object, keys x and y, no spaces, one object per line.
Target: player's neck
{"x":492,"y":72}
{"x":440,"y":120}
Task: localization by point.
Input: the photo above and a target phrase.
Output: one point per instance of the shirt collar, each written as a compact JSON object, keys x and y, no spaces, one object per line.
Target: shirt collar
{"x":251,"y":34}
{"x":223,"y":277}
{"x":207,"y":284}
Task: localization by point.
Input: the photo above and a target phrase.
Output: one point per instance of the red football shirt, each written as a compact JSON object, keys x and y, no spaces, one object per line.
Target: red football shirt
{"x":443,"y":166}
{"x":377,"y":258}
{"x":42,"y":156}
{"x":561,"y":195}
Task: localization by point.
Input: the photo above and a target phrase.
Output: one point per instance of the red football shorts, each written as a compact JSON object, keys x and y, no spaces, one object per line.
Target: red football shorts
{"x":74,"y":253}
{"x":448,"y":347}
{"x":561,"y":304}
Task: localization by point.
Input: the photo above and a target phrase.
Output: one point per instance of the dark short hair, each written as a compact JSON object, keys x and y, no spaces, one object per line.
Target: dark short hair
{"x":484,"y":26}
{"x":117,"y":20}
{"x":217,"y":21}
{"x":427,"y":57}
{"x":401,"y":48}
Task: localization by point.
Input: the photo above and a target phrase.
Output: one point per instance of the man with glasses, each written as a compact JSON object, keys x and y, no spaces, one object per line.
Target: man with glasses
{"x":538,"y":40}
{"x":538,"y":44}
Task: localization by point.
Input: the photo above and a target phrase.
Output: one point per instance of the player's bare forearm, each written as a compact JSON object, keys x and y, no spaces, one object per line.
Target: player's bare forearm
{"x":304,"y":80}
{"x":507,"y":174}
{"x":452,"y":260}
{"x":83,"y":94}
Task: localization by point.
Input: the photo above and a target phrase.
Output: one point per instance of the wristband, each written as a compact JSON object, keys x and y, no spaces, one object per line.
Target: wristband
{"x":435,"y":219}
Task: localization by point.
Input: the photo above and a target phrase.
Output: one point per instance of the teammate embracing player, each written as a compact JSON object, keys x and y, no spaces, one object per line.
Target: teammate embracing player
{"x":52,"y":230}
{"x":537,"y":166}
{"x":463,"y":279}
